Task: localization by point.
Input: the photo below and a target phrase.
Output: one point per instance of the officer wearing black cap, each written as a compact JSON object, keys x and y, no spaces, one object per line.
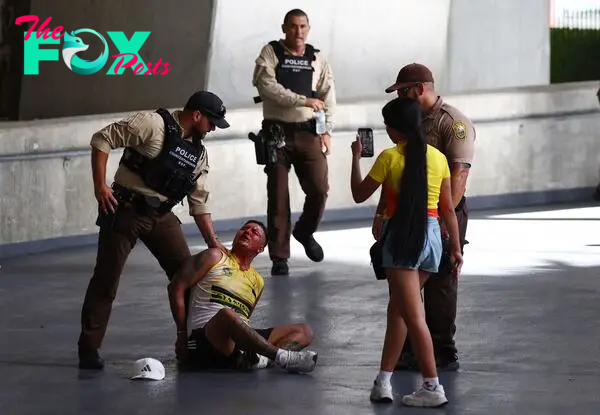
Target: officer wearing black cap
{"x":164,"y":162}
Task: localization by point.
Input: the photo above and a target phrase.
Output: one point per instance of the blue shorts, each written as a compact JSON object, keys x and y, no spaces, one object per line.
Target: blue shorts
{"x":431,"y":255}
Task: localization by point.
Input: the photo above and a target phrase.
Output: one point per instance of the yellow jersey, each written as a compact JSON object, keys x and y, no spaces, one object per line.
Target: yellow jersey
{"x":389,"y":167}
{"x":224,"y":285}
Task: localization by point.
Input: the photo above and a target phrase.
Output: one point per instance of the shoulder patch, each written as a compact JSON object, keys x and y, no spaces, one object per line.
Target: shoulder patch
{"x":460,"y":130}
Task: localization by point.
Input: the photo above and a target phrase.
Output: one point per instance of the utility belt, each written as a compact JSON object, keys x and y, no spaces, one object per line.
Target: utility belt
{"x":309,"y":126}
{"x":143,"y":204}
{"x":272,"y":137}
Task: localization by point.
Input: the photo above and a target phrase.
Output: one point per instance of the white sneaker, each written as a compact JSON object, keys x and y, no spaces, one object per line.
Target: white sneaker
{"x":381,"y":393}
{"x":263,"y":362}
{"x":426,"y":398}
{"x":301,"y":362}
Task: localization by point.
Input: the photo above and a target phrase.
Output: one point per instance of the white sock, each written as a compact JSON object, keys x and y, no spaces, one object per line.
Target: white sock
{"x":430,"y":383}
{"x":384,"y":378}
{"x":282,"y":358}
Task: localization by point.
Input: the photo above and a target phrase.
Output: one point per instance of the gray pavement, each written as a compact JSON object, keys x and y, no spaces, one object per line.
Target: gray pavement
{"x":528,"y":329}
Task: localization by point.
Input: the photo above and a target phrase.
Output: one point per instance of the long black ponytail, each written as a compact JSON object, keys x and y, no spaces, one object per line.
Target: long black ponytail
{"x":408,"y":225}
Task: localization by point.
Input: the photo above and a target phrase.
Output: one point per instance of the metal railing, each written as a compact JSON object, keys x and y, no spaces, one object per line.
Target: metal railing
{"x":578,"y":19}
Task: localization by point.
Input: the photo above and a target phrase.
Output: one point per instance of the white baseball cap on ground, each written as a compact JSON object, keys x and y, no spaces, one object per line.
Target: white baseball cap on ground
{"x":148,"y":368}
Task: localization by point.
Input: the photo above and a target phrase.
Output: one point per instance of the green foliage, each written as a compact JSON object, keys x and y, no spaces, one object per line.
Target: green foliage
{"x":574,"y":55}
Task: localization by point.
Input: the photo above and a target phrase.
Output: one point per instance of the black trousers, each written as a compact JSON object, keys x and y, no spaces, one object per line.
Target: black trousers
{"x":440,"y":295}
{"x":303,"y":151}
{"x":202,"y":355}
{"x":119,"y":233}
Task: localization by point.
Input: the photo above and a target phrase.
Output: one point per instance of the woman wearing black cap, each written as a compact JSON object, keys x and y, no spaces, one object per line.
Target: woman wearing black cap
{"x":416,"y":182}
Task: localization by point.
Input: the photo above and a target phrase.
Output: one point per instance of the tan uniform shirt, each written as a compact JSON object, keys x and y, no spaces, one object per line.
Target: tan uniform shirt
{"x":451,"y":132}
{"x":280,"y":103}
{"x":145,"y":132}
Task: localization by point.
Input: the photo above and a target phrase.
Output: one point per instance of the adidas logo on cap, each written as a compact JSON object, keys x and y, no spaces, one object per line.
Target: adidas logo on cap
{"x":148,"y":368}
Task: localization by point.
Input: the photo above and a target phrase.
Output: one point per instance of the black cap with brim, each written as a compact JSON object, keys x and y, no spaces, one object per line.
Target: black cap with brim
{"x":210,"y":105}
{"x":218,"y":122}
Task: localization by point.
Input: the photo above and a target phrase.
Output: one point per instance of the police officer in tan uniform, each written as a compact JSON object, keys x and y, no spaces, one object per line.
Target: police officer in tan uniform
{"x":450,"y":131}
{"x":294,"y":82}
{"x":164,"y":161}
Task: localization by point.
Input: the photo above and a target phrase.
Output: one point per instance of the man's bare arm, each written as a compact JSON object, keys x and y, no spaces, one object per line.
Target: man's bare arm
{"x":103,"y":193}
{"x":206,"y":228}
{"x":200,"y":210}
{"x":191,"y":272}
{"x":458,"y":183}
{"x":99,"y":162}
{"x":327,"y":93}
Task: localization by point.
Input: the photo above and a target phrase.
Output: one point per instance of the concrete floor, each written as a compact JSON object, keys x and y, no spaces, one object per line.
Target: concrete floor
{"x":528,"y":329}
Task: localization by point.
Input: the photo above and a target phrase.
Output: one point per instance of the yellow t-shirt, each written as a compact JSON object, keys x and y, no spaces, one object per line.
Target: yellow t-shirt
{"x":224,"y":285}
{"x":388,"y":169}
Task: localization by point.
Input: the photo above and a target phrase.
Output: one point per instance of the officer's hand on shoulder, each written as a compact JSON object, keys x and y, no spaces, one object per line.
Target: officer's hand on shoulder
{"x":216,"y":243}
{"x":315,"y":104}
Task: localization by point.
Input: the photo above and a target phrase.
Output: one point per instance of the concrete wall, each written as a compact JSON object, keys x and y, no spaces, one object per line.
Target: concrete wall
{"x":536,"y":144}
{"x":469,"y":45}
{"x":363,"y":40}
{"x":497,"y":44}
{"x":180,"y":36}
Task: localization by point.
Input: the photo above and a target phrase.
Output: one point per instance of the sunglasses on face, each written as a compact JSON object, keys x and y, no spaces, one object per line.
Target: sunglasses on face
{"x":403,"y":92}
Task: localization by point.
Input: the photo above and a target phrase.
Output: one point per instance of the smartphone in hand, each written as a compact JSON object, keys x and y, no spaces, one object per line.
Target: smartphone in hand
{"x":366,"y":138}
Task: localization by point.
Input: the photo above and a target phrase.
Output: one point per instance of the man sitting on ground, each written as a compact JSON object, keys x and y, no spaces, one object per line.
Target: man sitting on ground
{"x":225,"y":289}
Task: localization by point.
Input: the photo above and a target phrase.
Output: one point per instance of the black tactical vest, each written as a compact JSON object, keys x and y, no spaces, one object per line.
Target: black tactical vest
{"x":171,"y":173}
{"x":294,"y":72}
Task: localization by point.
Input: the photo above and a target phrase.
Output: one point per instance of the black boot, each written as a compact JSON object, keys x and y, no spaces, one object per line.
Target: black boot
{"x":311,"y":247}
{"x":280,"y":267}
{"x":447,"y":362}
{"x":89,"y":359}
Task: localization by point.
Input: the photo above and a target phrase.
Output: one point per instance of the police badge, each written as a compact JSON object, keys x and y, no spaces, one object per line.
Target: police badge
{"x":460,"y":130}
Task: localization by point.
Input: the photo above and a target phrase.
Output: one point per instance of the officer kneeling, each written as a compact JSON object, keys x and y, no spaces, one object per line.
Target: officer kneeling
{"x":164,"y":161}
